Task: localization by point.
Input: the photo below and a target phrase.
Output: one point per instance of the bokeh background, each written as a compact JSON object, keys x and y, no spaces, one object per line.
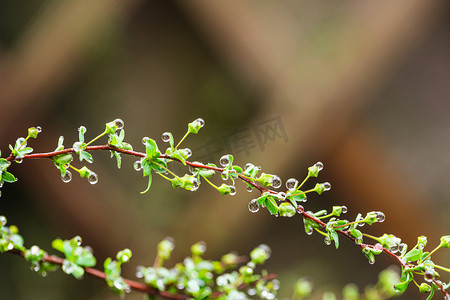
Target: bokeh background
{"x":362,"y":86}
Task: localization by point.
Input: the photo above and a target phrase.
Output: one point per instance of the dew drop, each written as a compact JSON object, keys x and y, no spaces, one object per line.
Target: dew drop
{"x":401,"y":247}
{"x":119,"y":123}
{"x":67,"y":177}
{"x":291,"y":184}
{"x":275,"y":284}
{"x":300,"y":209}
{"x":225,"y":160}
{"x":232,"y":190}
{"x":187,"y":152}
{"x":1,"y":182}
{"x":281,"y":196}
{"x":144,"y":140}
{"x":166,"y":137}
{"x":378,"y":247}
{"x":380,"y":216}
{"x":249,"y":166}
{"x":310,"y":231}
{"x":249,"y":189}
{"x":276,"y":181}
{"x":372,"y":260}
{"x":266,"y":249}
{"x":253,"y":206}
{"x":428,"y":275}
{"x":394,"y":248}
{"x":361,"y":224}
{"x":3,"y":220}
{"x":326,"y":186}
{"x":77,"y":146}
{"x":201,"y":122}
{"x":137,"y":165}
{"x":34,"y":250}
{"x":195,"y":185}
{"x":319,"y":166}
{"x":140,"y":271}
{"x":18,"y":160}
{"x":22,"y":142}
{"x":38,"y":129}
{"x":78,"y":240}
{"x":92,"y":178}
{"x":327,"y":240}
{"x":344,"y":209}
{"x":251,"y":292}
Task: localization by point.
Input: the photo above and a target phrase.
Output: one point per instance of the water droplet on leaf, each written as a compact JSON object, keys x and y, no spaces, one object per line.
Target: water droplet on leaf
{"x":291,"y":183}
{"x":327,"y":240}
{"x":18,"y":160}
{"x":253,"y":206}
{"x":201,"y":122}
{"x":249,"y":189}
{"x":232,"y":190}
{"x":3,"y":220}
{"x":319,"y":165}
{"x":344,"y":209}
{"x":67,"y":177}
{"x":93,"y":178}
{"x":428,"y":275}
{"x":137,"y":165}
{"x":380,"y":216}
{"x":225,"y":160}
{"x":326,"y":186}
{"x":144,"y":140}
{"x":276,"y":181}
{"x":119,"y":123}
{"x":187,"y":152}
{"x":77,"y":146}
{"x":166,"y":137}
{"x":38,"y":129}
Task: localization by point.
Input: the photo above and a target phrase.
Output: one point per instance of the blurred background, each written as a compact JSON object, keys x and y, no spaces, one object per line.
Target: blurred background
{"x":362,"y":86}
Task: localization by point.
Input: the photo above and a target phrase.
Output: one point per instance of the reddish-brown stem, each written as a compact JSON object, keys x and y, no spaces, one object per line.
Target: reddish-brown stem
{"x":147,"y":289}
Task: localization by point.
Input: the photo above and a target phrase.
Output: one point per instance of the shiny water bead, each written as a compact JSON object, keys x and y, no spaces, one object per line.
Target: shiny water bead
{"x":201,"y":122}
{"x":344,"y":209}
{"x":300,"y":208}
{"x":380,"y":216}
{"x":291,"y":184}
{"x":166,"y":137}
{"x":428,"y":275}
{"x":276,"y":181}
{"x":144,"y":140}
{"x":319,"y":165}
{"x":310,"y":231}
{"x":327,"y":240}
{"x":137,"y":165}
{"x":119,"y":123}
{"x":253,"y":205}
{"x":249,"y":189}
{"x":275,"y":284}
{"x":93,"y":178}
{"x":78,"y":240}
{"x":187,"y":152}
{"x":18,"y":160}
{"x":232,"y":190}
{"x":251,"y":292}
{"x":21,"y":141}
{"x":401,"y":247}
{"x":3,"y":220}
{"x":67,"y":177}
{"x":281,"y":196}
{"x":77,"y":146}
{"x":195,"y":185}
{"x":327,"y":186}
{"x":249,"y":166}
{"x":0,"y":193}
{"x":39,"y":129}
{"x":266,"y":249}
{"x":140,"y":271}
{"x":225,"y":160}
{"x":371,"y":260}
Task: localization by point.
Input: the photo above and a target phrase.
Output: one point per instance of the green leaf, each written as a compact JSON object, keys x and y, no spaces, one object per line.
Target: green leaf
{"x":271,"y":205}
{"x":33,"y":132}
{"x":8,"y":177}
{"x":86,"y":156}
{"x":118,"y":158}
{"x":151,"y":149}
{"x":335,"y":237}
{"x":262,"y":199}
{"x":85,"y":258}
{"x":401,"y":287}
{"x":413,"y":255}
{"x":81,"y":132}
{"x":149,"y":183}
{"x":58,"y":244}
{"x":159,"y":165}
{"x":63,"y":159}
{"x":4,"y":164}
{"x":25,"y":151}
{"x":178,"y":155}
{"x":60,"y":144}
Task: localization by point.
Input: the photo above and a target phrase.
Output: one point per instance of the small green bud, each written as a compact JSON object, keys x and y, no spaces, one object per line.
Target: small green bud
{"x":260,"y":254}
{"x":314,"y":170}
{"x":322,"y":187}
{"x":422,"y":241}
{"x":195,"y":125}
{"x":229,"y":259}
{"x":286,"y":210}
{"x":424,"y":288}
{"x":84,"y":172}
{"x":198,"y":249}
{"x":165,"y":248}
{"x":124,"y":255}
{"x":34,"y":131}
{"x":445,"y":241}
{"x":265,"y":179}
